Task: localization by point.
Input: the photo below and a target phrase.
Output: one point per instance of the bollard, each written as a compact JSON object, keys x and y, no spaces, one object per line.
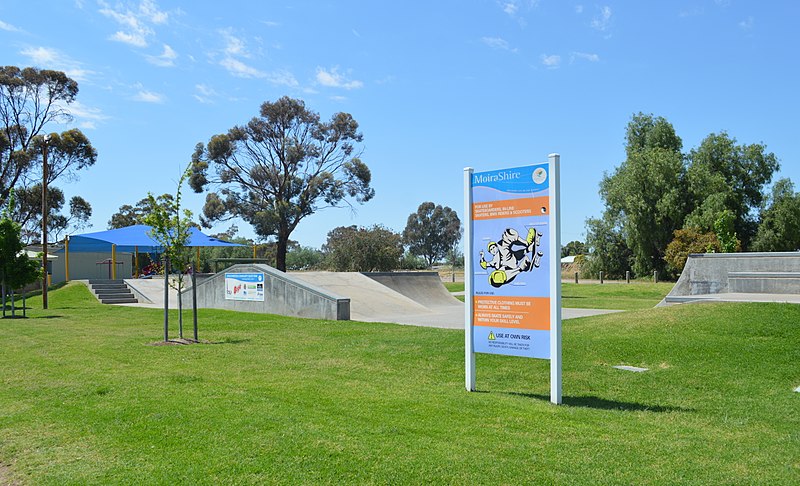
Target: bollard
{"x":627,"y":276}
{"x":601,"y":277}
{"x":576,"y":277}
{"x":655,"y":276}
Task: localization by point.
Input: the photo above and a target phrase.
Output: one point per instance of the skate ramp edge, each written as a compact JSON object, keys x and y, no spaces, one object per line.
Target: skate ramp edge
{"x":369,"y":300}
{"x":426,"y":288}
{"x":284,"y":295}
{"x":745,"y":273}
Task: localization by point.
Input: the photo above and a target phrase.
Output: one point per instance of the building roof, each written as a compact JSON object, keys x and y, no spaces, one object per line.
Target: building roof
{"x":136,"y":238}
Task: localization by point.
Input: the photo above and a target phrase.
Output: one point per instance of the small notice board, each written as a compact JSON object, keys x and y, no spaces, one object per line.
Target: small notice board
{"x":244,"y":286}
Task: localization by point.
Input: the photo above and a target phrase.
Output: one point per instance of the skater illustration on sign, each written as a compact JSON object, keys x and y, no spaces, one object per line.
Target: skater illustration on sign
{"x":511,"y":256}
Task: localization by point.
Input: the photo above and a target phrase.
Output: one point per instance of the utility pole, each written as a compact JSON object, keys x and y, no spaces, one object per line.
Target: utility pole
{"x":44,"y":221}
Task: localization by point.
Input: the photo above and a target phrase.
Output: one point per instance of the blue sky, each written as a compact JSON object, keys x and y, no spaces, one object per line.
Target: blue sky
{"x":435,"y":86}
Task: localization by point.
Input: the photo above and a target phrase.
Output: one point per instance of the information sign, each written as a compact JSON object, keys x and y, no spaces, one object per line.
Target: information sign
{"x":244,"y":286}
{"x":512,"y":260}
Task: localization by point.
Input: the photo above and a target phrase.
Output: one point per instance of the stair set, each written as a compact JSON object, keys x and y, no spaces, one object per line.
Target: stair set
{"x":112,"y":291}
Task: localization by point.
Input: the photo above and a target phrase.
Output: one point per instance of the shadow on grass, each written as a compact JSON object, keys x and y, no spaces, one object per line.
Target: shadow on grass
{"x":230,"y":341}
{"x":604,"y":404}
{"x":186,"y":342}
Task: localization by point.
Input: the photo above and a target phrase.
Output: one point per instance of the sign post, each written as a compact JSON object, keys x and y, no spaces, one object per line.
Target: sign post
{"x":512,"y":266}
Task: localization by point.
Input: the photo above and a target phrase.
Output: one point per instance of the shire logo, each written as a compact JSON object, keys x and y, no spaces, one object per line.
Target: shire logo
{"x":498,"y":177}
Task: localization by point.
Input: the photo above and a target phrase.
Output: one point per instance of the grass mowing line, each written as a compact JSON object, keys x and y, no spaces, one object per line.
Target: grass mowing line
{"x":283,"y":400}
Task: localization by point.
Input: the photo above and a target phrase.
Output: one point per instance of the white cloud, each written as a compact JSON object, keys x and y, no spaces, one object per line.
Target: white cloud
{"x":9,"y":27}
{"x":84,"y":116}
{"x":585,"y":56}
{"x":282,"y":78}
{"x":497,"y":43}
{"x":136,"y":23}
{"x":552,"y":61}
{"x":511,"y":8}
{"x":602,"y":21}
{"x":136,"y":39}
{"x":240,"y":69}
{"x":165,"y":59}
{"x":50,"y":58}
{"x":149,"y":97}
{"x":204,"y":93}
{"x":235,"y":49}
{"x":149,"y":10}
{"x":334,"y":79}
{"x":234,"y":46}
{"x":43,"y":56}
{"x":578,"y":9}
{"x":747,"y":24}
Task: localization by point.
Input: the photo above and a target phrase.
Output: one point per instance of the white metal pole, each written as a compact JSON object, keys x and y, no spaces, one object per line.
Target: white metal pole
{"x":469,"y":343}
{"x":555,"y":278}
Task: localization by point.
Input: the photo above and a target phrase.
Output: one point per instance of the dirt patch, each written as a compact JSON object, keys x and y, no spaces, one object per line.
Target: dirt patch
{"x":6,"y":478}
{"x":178,"y":342}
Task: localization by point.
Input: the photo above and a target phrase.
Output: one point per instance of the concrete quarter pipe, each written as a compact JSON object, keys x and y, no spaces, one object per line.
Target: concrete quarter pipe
{"x":416,"y":298}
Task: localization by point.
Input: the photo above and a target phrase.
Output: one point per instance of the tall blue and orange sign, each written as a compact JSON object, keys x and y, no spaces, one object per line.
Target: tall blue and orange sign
{"x":512,"y":260}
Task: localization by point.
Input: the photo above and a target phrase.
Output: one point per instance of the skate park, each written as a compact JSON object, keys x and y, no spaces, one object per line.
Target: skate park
{"x":411,"y":298}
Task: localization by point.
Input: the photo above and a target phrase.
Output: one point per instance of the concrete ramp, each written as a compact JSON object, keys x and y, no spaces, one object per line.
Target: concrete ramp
{"x":423,"y":287}
{"x":369,"y":300}
{"x":283,"y":294}
{"x":717,"y":276}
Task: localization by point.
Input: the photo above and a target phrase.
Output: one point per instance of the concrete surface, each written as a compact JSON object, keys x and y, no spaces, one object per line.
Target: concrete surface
{"x":743,"y":277}
{"x":370,"y":300}
{"x":736,"y":297}
{"x":422,"y":287}
{"x":285,"y":295}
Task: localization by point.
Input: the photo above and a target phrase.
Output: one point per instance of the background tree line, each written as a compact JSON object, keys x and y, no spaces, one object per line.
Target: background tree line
{"x":431,"y":236}
{"x":662,"y":204}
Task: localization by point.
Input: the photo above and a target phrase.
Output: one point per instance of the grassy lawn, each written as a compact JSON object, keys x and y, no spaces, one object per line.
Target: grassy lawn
{"x":85,"y":400}
{"x":613,"y":296}
{"x":454,"y":286}
{"x":602,"y":296}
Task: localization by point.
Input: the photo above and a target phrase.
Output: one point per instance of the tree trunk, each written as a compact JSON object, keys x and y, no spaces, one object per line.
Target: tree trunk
{"x":280,"y":254}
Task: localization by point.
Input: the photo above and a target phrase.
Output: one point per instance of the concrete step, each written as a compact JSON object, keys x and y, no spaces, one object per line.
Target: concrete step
{"x":113,"y":293}
{"x":108,"y":286}
{"x":120,"y":300}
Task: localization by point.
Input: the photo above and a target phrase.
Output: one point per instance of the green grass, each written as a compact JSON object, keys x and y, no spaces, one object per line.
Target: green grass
{"x":85,"y":400}
{"x":602,"y":296}
{"x":454,"y":286}
{"x":613,"y":296}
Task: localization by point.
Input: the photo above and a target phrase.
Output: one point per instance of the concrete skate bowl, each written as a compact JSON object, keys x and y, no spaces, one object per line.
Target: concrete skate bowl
{"x":417,"y":298}
{"x":767,"y":277}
